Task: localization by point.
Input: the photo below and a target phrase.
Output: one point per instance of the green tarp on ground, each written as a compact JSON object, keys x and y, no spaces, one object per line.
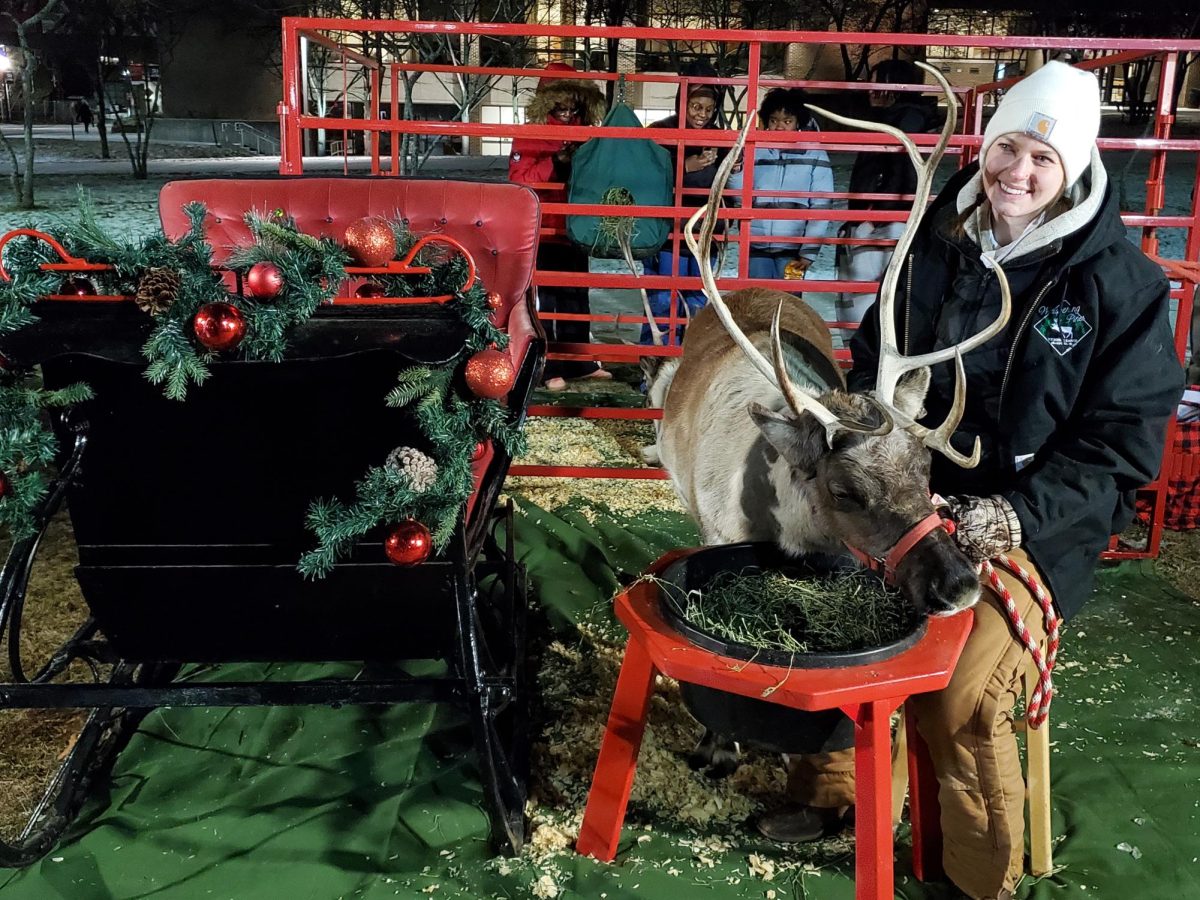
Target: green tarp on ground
{"x":373,"y":803}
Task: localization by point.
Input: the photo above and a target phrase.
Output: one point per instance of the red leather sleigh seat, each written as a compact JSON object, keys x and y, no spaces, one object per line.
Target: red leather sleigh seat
{"x":497,"y":222}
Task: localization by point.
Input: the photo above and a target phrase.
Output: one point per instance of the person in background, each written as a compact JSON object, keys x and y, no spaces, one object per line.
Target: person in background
{"x":1070,"y":404}
{"x":702,"y":111}
{"x":881,"y":173}
{"x":539,"y":161}
{"x":83,"y":114}
{"x":785,"y":169}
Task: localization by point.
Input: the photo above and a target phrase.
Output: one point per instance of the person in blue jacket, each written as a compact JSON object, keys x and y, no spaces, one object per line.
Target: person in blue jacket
{"x":791,"y":170}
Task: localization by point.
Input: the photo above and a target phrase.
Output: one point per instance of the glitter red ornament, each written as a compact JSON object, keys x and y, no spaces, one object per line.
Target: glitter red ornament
{"x":371,"y":242}
{"x":219,"y":326}
{"x":494,"y":300}
{"x":264,"y":281}
{"x":80,"y":287}
{"x":490,"y":374}
{"x":408,"y":544}
{"x":369,"y":289}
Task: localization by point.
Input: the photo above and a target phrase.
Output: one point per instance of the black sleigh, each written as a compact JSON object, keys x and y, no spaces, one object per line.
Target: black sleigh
{"x":189,"y":516}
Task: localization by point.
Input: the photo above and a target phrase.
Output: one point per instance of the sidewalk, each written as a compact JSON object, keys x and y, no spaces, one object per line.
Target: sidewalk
{"x":486,"y":167}
{"x":439,"y":166}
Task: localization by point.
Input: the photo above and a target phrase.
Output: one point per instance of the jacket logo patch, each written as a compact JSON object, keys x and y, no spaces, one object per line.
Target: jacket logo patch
{"x":1062,"y":327}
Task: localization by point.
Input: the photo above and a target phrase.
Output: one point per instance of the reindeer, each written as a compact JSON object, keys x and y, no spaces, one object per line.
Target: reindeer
{"x":780,"y":451}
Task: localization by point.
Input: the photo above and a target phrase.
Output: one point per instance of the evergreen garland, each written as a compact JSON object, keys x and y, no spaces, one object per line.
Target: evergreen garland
{"x":313,"y":268}
{"x":27,"y":447}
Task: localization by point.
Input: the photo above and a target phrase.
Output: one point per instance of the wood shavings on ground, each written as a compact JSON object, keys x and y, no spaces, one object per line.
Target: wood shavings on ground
{"x":576,"y":685}
{"x":592,"y":442}
{"x":602,"y":497}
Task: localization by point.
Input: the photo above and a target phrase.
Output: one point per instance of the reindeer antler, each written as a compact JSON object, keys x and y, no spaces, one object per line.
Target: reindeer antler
{"x":892,"y":363}
{"x":799,"y":400}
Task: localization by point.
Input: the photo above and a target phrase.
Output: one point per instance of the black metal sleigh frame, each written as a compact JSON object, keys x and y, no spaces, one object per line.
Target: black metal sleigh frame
{"x":188,"y":545}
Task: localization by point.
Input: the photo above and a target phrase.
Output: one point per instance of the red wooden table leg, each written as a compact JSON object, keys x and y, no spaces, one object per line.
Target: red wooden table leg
{"x":873,"y":875}
{"x":602,"y":819}
{"x":924,"y":811}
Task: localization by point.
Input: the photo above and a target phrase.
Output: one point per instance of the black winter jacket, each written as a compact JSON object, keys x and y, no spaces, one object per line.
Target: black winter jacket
{"x":702,"y":178}
{"x":892,"y":173}
{"x":1070,"y":401}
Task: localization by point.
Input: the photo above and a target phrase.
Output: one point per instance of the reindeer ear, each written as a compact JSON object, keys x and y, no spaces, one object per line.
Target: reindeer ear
{"x":800,"y":441}
{"x":911,"y":390}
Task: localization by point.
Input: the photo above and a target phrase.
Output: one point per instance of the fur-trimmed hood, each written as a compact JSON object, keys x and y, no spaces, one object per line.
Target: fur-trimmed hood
{"x":553,"y":91}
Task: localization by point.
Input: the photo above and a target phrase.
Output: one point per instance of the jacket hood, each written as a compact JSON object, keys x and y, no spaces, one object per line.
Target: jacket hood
{"x":553,"y":90}
{"x":1082,"y":231}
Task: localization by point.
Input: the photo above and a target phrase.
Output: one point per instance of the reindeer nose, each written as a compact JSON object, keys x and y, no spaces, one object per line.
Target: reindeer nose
{"x":937,"y":578}
{"x":951,"y":592}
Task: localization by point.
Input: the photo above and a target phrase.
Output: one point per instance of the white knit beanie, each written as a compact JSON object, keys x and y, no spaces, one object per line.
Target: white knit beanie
{"x":1058,"y":104}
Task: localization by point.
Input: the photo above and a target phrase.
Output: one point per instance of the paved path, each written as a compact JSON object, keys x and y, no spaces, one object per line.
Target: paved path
{"x":440,"y":166}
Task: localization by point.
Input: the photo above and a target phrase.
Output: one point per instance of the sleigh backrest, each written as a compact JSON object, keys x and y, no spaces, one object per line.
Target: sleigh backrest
{"x":497,"y":222}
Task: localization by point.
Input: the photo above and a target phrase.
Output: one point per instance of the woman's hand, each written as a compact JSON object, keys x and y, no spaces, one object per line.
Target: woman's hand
{"x":797,"y":268}
{"x":985,"y":527}
{"x":566,"y":154}
{"x":701,"y":160}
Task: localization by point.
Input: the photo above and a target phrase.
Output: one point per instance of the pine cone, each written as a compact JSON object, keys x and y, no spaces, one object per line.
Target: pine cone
{"x":157,"y":290}
{"x":420,"y":470}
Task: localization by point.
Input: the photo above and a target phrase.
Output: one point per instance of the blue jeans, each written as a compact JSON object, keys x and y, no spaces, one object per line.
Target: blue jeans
{"x":763,"y":265}
{"x":660,"y":301}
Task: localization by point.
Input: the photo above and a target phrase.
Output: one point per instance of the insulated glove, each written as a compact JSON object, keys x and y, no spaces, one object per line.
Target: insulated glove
{"x":985,"y":527}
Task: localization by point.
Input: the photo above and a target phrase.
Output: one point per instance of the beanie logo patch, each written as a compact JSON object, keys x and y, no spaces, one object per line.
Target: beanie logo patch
{"x":1062,"y":327}
{"x":1041,"y":126}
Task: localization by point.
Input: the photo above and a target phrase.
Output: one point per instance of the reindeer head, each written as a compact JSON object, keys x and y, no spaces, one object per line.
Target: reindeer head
{"x":863,"y":460}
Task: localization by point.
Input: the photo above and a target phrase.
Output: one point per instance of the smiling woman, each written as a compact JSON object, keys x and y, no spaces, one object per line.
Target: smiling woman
{"x":1022,"y":177}
{"x":1070,"y":402}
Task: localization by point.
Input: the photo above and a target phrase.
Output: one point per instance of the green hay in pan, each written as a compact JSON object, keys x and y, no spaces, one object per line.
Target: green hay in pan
{"x":842,"y":612}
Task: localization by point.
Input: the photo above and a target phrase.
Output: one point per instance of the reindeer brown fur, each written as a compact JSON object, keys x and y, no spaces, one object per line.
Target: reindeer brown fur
{"x":779,"y":451}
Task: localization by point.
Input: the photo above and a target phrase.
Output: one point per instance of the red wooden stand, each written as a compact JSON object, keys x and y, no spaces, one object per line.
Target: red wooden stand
{"x":867,"y":694}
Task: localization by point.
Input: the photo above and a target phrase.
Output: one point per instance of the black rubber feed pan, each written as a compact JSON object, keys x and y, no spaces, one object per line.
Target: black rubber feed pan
{"x":749,"y":720}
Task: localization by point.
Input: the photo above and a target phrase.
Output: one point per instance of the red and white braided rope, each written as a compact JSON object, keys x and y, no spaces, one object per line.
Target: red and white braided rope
{"x":1039,"y":703}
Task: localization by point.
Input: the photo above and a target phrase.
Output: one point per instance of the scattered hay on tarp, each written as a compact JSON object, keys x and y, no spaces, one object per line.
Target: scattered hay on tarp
{"x":33,"y":742}
{"x":693,"y":823}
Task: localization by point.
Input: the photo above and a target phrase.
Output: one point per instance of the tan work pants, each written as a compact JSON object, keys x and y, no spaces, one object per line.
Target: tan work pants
{"x":969,"y":730}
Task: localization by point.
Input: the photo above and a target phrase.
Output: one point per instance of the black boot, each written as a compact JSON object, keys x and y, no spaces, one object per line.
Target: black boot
{"x":798,"y":824}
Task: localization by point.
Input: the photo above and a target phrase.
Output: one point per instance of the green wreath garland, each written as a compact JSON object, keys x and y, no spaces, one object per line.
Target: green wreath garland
{"x":312,"y":269}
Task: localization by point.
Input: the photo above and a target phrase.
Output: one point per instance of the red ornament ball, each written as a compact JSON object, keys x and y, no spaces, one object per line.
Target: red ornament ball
{"x":371,"y":242}
{"x":80,"y":287}
{"x":408,"y":544}
{"x":5,"y":485}
{"x":480,"y":451}
{"x":494,"y":300}
{"x":369,"y":289}
{"x":219,"y":326}
{"x":490,"y":374}
{"x":264,"y":280}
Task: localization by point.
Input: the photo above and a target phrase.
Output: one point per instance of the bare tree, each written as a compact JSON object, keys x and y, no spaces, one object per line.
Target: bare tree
{"x":26,"y":23}
{"x":870,"y":16}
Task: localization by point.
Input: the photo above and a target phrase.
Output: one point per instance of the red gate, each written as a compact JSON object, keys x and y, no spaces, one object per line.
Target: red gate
{"x":383,"y":92}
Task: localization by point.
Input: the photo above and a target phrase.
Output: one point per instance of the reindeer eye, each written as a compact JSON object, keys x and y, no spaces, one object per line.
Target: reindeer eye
{"x":844,"y":494}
